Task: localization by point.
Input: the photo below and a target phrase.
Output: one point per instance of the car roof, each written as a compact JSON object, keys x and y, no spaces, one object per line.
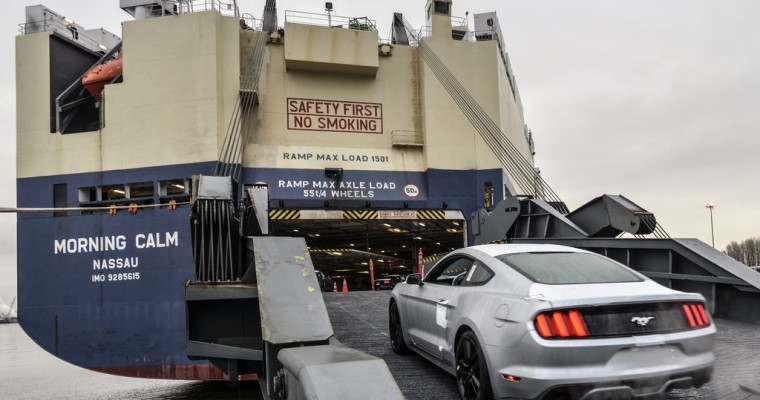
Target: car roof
{"x":499,"y":249}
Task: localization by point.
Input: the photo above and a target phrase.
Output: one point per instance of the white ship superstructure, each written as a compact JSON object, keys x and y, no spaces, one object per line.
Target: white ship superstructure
{"x":373,"y":149}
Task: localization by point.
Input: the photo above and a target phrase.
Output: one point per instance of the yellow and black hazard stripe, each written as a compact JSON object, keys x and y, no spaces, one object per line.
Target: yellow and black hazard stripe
{"x":330,"y":250}
{"x":431,"y":214}
{"x":284,"y":214}
{"x":360,"y":214}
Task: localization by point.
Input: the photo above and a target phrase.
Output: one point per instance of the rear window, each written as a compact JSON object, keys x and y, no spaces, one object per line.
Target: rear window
{"x":568,"y":268}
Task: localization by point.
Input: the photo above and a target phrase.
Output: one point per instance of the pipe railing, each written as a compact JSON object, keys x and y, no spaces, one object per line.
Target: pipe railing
{"x":63,"y":29}
{"x":228,"y":7}
{"x":333,"y":21}
{"x":248,"y":21}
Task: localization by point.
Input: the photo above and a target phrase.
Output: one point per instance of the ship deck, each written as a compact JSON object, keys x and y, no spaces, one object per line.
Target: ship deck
{"x":360,"y":320}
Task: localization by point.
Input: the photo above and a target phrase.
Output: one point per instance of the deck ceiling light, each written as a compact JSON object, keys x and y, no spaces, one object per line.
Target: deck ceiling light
{"x":333,"y":173}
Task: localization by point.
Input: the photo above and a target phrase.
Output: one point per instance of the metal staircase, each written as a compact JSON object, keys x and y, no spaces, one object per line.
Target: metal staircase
{"x":231,"y":157}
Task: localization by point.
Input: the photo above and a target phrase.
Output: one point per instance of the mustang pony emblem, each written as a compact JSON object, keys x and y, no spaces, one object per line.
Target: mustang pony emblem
{"x":641,"y":321}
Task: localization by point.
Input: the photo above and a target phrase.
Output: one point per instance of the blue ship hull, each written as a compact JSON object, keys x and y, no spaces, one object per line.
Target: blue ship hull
{"x":107,"y":292}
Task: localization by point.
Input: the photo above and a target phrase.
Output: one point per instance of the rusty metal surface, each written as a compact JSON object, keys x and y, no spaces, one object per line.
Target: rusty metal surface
{"x":292,"y":309}
{"x":198,"y":372}
{"x":259,"y":197}
{"x":215,"y":291}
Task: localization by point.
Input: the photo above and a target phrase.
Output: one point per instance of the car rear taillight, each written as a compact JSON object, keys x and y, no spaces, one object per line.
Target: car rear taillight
{"x":561,"y":324}
{"x":696,"y":315}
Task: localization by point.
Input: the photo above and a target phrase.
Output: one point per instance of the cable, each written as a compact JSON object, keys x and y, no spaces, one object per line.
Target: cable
{"x":520,"y":169}
{"x":19,"y":210}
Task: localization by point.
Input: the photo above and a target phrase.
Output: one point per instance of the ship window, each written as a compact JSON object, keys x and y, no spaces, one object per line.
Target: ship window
{"x":488,"y":194}
{"x":142,"y":189}
{"x":114,"y":192}
{"x":60,"y":191}
{"x":442,"y":7}
{"x":88,"y":194}
{"x":172,"y":187}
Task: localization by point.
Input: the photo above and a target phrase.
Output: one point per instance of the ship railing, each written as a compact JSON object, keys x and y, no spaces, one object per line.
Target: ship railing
{"x":333,"y":21}
{"x":469,"y":36}
{"x":459,"y":28}
{"x":459,"y":23}
{"x":63,"y":29}
{"x":228,"y":7}
{"x":248,"y":21}
{"x":425,"y":31}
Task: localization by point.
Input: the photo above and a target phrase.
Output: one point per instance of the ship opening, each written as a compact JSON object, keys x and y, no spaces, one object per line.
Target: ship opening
{"x":343,"y":243}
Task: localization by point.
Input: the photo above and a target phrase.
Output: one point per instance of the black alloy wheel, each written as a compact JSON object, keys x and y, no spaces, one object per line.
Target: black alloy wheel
{"x":396,"y":332}
{"x":471,"y":369}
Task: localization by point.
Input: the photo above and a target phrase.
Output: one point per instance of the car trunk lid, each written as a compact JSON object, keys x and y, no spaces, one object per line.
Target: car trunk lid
{"x":624,"y":309}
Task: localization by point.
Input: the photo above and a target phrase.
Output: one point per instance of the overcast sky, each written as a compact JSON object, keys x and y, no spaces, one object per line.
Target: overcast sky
{"x":655,"y":100}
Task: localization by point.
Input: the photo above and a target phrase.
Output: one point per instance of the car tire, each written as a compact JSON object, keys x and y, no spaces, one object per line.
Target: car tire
{"x":396,"y":333}
{"x":472,"y":376}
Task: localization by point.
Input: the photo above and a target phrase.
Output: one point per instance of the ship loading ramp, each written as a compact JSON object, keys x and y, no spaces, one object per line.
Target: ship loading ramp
{"x":731,"y":289}
{"x":255,"y":306}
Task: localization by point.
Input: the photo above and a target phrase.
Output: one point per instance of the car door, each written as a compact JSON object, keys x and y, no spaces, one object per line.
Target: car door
{"x":476,"y":276}
{"x":432,"y":302}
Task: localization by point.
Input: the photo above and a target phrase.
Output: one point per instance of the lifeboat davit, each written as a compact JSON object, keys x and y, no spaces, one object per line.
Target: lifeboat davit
{"x":99,"y":75}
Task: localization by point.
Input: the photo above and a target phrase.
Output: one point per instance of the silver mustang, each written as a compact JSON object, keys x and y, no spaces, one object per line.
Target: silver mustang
{"x":526,"y":321}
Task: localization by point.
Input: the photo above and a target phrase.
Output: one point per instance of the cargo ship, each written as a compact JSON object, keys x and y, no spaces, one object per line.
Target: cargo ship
{"x":374,"y":149}
{"x":9,"y":315}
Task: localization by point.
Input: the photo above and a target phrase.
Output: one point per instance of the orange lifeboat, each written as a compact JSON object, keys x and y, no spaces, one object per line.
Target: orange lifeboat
{"x":99,"y":75}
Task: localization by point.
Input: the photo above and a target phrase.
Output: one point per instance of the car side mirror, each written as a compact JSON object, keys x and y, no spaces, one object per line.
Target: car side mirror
{"x":414,"y":279}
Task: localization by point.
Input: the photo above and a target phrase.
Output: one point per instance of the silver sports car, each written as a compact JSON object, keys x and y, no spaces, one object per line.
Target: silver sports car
{"x":528,"y":321}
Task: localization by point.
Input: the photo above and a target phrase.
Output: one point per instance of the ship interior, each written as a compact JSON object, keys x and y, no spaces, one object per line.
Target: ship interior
{"x":343,"y":248}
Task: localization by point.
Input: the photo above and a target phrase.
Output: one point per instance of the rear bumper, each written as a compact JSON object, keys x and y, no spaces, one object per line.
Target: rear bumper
{"x":632,"y":389}
{"x":631,"y":367}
